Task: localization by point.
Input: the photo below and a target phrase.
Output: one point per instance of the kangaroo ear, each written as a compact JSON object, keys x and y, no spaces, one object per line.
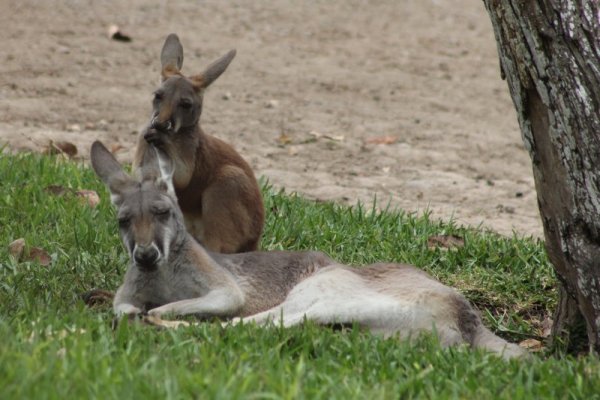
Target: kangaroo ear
{"x":212,"y":72}
{"x":167,"y":169}
{"x":109,"y":170}
{"x":171,"y":56}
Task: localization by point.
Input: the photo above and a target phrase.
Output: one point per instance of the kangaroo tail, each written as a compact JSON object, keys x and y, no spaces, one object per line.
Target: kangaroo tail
{"x":486,"y":339}
{"x":478,"y":336}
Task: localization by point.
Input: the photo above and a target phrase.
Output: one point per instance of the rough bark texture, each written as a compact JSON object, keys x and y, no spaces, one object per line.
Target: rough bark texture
{"x":550,"y":56}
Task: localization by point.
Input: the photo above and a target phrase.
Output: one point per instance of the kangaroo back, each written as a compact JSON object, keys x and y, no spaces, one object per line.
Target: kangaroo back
{"x":215,"y":187}
{"x":266,"y":278}
{"x":389,"y":299}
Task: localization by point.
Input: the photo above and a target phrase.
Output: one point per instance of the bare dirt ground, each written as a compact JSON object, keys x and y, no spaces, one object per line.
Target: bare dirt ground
{"x":313,"y":85}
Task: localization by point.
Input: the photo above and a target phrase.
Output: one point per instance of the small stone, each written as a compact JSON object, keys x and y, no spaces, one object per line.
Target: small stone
{"x":102,"y":125}
{"x":272,"y":104}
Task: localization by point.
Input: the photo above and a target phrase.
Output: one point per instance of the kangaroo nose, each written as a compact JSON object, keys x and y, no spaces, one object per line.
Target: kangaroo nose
{"x":146,"y":256}
{"x":161,"y":126}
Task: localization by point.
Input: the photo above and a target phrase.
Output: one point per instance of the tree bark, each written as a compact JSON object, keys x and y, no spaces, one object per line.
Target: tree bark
{"x":550,"y":56}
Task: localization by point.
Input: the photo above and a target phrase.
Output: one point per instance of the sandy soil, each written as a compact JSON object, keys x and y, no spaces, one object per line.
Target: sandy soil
{"x":313,"y":85}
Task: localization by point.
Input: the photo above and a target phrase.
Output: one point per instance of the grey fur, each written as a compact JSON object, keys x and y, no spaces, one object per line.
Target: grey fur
{"x":171,"y":54}
{"x":215,"y":69}
{"x":282,"y":287}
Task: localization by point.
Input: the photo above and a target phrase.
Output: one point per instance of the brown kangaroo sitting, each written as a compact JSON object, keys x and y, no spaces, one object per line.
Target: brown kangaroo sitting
{"x":171,"y":273}
{"x":216,"y":189}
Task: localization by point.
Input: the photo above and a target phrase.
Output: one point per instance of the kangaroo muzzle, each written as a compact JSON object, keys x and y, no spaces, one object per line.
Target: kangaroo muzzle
{"x":163,"y":126}
{"x":146,"y":256}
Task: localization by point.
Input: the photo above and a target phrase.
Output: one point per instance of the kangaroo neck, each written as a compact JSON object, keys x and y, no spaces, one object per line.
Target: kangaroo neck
{"x":181,"y":240}
{"x":204,"y":162}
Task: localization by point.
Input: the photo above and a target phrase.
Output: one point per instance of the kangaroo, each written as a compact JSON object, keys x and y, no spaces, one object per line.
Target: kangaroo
{"x":171,"y":273}
{"x":215,"y":187}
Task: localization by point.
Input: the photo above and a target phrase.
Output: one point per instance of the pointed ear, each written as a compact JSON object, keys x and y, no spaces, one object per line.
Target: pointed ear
{"x":171,"y":56}
{"x":167,"y":169}
{"x":212,"y":72}
{"x":109,"y":170}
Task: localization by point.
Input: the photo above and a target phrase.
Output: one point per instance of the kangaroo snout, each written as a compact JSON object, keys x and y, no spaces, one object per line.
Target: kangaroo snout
{"x":163,"y":126}
{"x":146,"y":256}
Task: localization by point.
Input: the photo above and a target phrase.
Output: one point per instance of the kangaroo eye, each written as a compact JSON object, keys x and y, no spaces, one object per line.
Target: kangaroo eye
{"x":158,"y":96}
{"x":124,"y":221}
{"x":161,"y":211}
{"x":186,"y":105}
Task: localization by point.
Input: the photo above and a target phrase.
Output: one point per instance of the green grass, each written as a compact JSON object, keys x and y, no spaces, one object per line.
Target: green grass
{"x":53,"y":346}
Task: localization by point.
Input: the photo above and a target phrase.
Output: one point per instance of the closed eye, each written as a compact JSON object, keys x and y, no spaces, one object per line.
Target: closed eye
{"x":124,"y":221}
{"x":161,"y":211}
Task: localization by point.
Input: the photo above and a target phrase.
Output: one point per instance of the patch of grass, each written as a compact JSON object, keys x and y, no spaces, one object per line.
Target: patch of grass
{"x":55,"y":347}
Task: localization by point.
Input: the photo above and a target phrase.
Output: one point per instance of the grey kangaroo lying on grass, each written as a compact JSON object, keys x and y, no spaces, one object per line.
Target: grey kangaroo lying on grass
{"x":171,"y":273}
{"x":216,"y":189}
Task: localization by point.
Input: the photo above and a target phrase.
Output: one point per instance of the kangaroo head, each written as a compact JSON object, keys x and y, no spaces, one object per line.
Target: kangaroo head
{"x":150,"y":221}
{"x":177,"y":103}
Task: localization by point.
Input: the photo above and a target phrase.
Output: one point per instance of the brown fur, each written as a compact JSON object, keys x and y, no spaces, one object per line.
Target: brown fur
{"x":215,"y":187}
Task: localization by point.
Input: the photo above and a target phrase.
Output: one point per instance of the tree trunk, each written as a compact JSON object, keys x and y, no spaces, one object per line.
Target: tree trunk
{"x":550,"y":55}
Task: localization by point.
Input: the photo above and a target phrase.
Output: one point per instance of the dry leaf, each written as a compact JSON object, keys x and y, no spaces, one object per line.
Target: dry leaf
{"x":284,"y":139}
{"x":97,"y":297}
{"x":63,"y":333}
{"x":317,"y":135}
{"x":90,"y":197}
{"x":40,"y":255}
{"x":386,"y":139}
{"x":547,"y":327}
{"x":272,"y":104}
{"x":157,"y":321}
{"x":114,"y":33}
{"x":115,"y":147}
{"x":16,"y":248}
{"x":337,"y":138}
{"x":445,"y":241}
{"x":74,"y":128}
{"x":67,"y":148}
{"x":292,"y":150}
{"x":57,"y":190}
{"x":532,"y":345}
